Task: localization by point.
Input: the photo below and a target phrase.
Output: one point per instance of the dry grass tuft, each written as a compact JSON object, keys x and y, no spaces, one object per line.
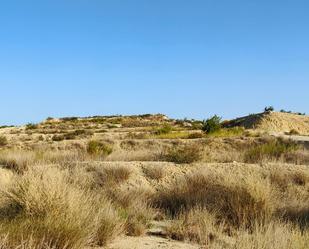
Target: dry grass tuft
{"x":239,"y":202}
{"x":275,"y":235}
{"x":183,"y":154}
{"x":134,"y":208}
{"x":284,"y":178}
{"x":109,"y":175}
{"x":17,"y":161}
{"x":3,"y":141}
{"x":196,"y":225}
{"x":41,"y":204}
{"x":138,"y":217}
{"x":97,"y":148}
{"x":154,"y":172}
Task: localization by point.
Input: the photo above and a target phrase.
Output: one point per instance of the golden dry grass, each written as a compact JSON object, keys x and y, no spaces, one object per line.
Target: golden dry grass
{"x":42,"y":204}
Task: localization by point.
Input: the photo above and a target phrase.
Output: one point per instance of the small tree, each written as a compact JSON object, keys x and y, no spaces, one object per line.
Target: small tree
{"x":212,"y":125}
{"x":269,"y":109}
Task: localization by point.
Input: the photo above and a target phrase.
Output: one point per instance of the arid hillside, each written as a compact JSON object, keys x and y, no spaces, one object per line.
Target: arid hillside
{"x":278,"y":122}
{"x":150,"y":182}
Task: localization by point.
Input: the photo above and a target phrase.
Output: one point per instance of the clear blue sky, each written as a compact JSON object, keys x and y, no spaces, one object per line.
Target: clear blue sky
{"x":185,"y":58}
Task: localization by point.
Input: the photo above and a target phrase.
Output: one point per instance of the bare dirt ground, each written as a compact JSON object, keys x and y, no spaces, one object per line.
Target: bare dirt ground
{"x":154,"y":238}
{"x":149,"y":242}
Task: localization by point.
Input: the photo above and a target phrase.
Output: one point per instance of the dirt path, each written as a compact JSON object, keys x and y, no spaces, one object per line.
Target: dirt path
{"x":149,"y":242}
{"x":155,"y":238}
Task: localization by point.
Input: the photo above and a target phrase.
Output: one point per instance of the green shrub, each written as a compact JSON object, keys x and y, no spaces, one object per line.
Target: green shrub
{"x":269,"y":109}
{"x":270,"y":150}
{"x":212,"y":125}
{"x":3,"y":141}
{"x":165,"y":129}
{"x":228,"y":132}
{"x":98,"y":148}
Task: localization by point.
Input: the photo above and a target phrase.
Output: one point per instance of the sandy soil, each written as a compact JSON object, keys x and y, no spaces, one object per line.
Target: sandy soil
{"x":149,"y":242}
{"x":274,"y":122}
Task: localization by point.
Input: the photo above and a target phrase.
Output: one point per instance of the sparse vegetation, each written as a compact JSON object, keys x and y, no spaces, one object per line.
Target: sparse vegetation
{"x":222,"y":188}
{"x":172,"y":135}
{"x":228,"y":132}
{"x":272,"y":150}
{"x":297,"y":113}
{"x":69,"y":119}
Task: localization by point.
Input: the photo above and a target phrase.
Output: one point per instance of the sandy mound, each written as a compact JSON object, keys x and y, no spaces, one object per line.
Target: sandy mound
{"x":277,"y":122}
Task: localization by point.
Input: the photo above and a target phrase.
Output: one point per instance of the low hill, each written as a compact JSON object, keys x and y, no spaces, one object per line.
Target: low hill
{"x":277,"y":122}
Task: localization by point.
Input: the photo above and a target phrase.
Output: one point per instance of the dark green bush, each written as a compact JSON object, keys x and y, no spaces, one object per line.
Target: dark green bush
{"x":212,"y":125}
{"x":269,"y":109}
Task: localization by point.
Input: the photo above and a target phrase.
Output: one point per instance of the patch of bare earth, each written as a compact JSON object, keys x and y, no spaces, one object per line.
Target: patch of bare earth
{"x":149,"y":242}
